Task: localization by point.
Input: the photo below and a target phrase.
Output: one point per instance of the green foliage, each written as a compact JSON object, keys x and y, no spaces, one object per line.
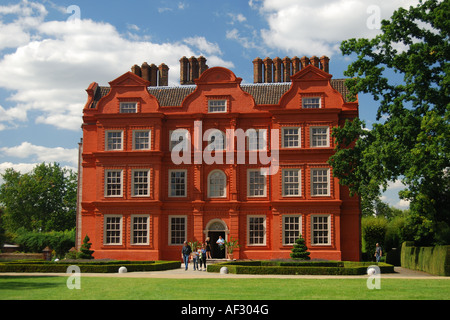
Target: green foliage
{"x":412,"y":140}
{"x":300,"y":251}
{"x":41,"y":200}
{"x":91,"y":267}
{"x":60,"y":241}
{"x":231,"y":245}
{"x":299,"y":268}
{"x":373,"y":231}
{"x":85,"y":252}
{"x":434,"y":260}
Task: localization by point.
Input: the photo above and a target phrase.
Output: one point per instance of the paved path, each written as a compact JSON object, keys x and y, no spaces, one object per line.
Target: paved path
{"x":191,"y":274}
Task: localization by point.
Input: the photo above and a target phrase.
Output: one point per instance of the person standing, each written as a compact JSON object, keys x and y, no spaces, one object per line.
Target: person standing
{"x":185,"y":253}
{"x":202,"y":257}
{"x":195,"y":258}
{"x":378,"y":253}
{"x":208,"y":248}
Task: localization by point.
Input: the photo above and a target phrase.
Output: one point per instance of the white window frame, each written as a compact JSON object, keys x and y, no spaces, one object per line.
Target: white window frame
{"x":107,"y":140}
{"x":311,"y":137}
{"x":133,"y":230}
{"x":185,"y":134}
{"x":261,"y":171}
{"x":106,"y":183}
{"x":299,"y":216}
{"x":170,"y":183}
{"x":170,"y":229}
{"x":327,"y":230}
{"x":307,"y":103}
{"x":147,"y":142}
{"x":210,"y":194}
{"x":216,"y":105}
{"x":128,"y":107}
{"x":256,"y":134}
{"x":133,"y":183}
{"x":299,"y":137}
{"x":105,"y":230}
{"x":283,"y":182}
{"x":312,"y":182}
{"x":249,"y":236}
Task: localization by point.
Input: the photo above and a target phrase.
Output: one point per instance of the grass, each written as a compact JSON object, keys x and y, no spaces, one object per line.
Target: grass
{"x":110,"y":288}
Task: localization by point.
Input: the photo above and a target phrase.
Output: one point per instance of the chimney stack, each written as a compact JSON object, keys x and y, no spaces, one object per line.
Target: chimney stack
{"x":314,"y":61}
{"x":136,"y":70}
{"x":191,"y":69}
{"x":158,"y":76}
{"x":286,"y":69}
{"x":163,"y":75}
{"x":268,"y":64}
{"x":257,"y":70}
{"x":277,"y":70}
{"x":304,"y":61}
{"x":324,"y":63}
{"x":280,"y":70}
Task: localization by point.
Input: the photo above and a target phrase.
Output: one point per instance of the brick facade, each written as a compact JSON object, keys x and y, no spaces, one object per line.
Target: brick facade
{"x":137,"y":204}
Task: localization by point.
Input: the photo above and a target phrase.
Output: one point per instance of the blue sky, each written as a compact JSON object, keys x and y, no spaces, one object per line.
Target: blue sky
{"x":50,"y":51}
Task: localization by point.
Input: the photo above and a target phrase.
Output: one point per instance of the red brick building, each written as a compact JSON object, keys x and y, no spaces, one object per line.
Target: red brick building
{"x":135,"y":203}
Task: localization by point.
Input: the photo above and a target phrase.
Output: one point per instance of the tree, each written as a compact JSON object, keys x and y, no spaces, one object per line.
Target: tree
{"x":41,"y":200}
{"x":412,"y":142}
{"x":300,"y":251}
{"x":85,"y":252}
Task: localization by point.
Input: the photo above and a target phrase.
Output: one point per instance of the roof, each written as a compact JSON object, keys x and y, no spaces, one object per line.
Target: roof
{"x":263,"y":93}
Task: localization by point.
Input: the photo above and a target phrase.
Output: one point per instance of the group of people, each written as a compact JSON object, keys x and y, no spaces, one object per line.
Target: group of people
{"x":199,"y":254}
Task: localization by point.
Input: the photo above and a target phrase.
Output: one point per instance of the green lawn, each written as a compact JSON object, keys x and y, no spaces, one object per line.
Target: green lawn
{"x":110,"y":288}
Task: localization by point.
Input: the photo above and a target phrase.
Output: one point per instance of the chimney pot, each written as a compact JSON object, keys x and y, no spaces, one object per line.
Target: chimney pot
{"x":287,"y":69}
{"x":136,"y":70}
{"x":304,"y":61}
{"x":325,"y":64}
{"x":277,"y":70}
{"x":163,"y":75}
{"x":295,"y":65}
{"x":153,"y":75}
{"x":268,"y":64}
{"x":193,"y":69}
{"x":145,"y":69}
{"x":257,"y":70}
{"x":184,"y":62}
{"x":314,"y":61}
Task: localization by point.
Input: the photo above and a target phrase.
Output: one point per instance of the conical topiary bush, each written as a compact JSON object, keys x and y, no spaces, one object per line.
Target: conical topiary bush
{"x":300,"y":251}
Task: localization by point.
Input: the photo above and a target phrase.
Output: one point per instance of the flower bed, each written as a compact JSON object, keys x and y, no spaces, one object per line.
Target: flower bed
{"x":299,"y":267}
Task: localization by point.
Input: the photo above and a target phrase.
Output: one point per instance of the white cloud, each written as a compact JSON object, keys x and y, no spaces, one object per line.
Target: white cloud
{"x":41,"y":153}
{"x":317,"y":27}
{"x":55,"y":61}
{"x":203,"y":45}
{"x":402,"y":204}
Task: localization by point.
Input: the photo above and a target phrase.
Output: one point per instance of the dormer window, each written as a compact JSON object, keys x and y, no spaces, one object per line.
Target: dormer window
{"x":128,"y":107}
{"x":311,"y":102}
{"x":217,"y":106}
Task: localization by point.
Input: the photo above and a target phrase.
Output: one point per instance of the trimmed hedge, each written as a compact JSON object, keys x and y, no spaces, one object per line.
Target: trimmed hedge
{"x":433,"y":260}
{"x":87,"y":267}
{"x":299,"y":268}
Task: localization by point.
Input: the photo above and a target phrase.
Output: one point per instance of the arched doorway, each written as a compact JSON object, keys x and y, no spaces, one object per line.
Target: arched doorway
{"x":213,"y":230}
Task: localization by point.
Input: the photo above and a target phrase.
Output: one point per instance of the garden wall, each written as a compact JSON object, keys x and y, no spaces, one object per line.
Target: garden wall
{"x":433,"y":260}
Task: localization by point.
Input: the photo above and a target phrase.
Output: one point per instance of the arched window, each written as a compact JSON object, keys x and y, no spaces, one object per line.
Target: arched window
{"x":216,"y":140}
{"x":217,"y":184}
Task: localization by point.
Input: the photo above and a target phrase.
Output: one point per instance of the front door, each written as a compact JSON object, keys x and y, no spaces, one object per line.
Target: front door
{"x":216,"y":252}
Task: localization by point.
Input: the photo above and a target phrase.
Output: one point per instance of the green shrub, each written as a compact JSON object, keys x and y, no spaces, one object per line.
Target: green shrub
{"x":434,"y":260}
{"x":59,"y":241}
{"x":373,"y":231}
{"x":300,"y":268}
{"x":87,"y":267}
